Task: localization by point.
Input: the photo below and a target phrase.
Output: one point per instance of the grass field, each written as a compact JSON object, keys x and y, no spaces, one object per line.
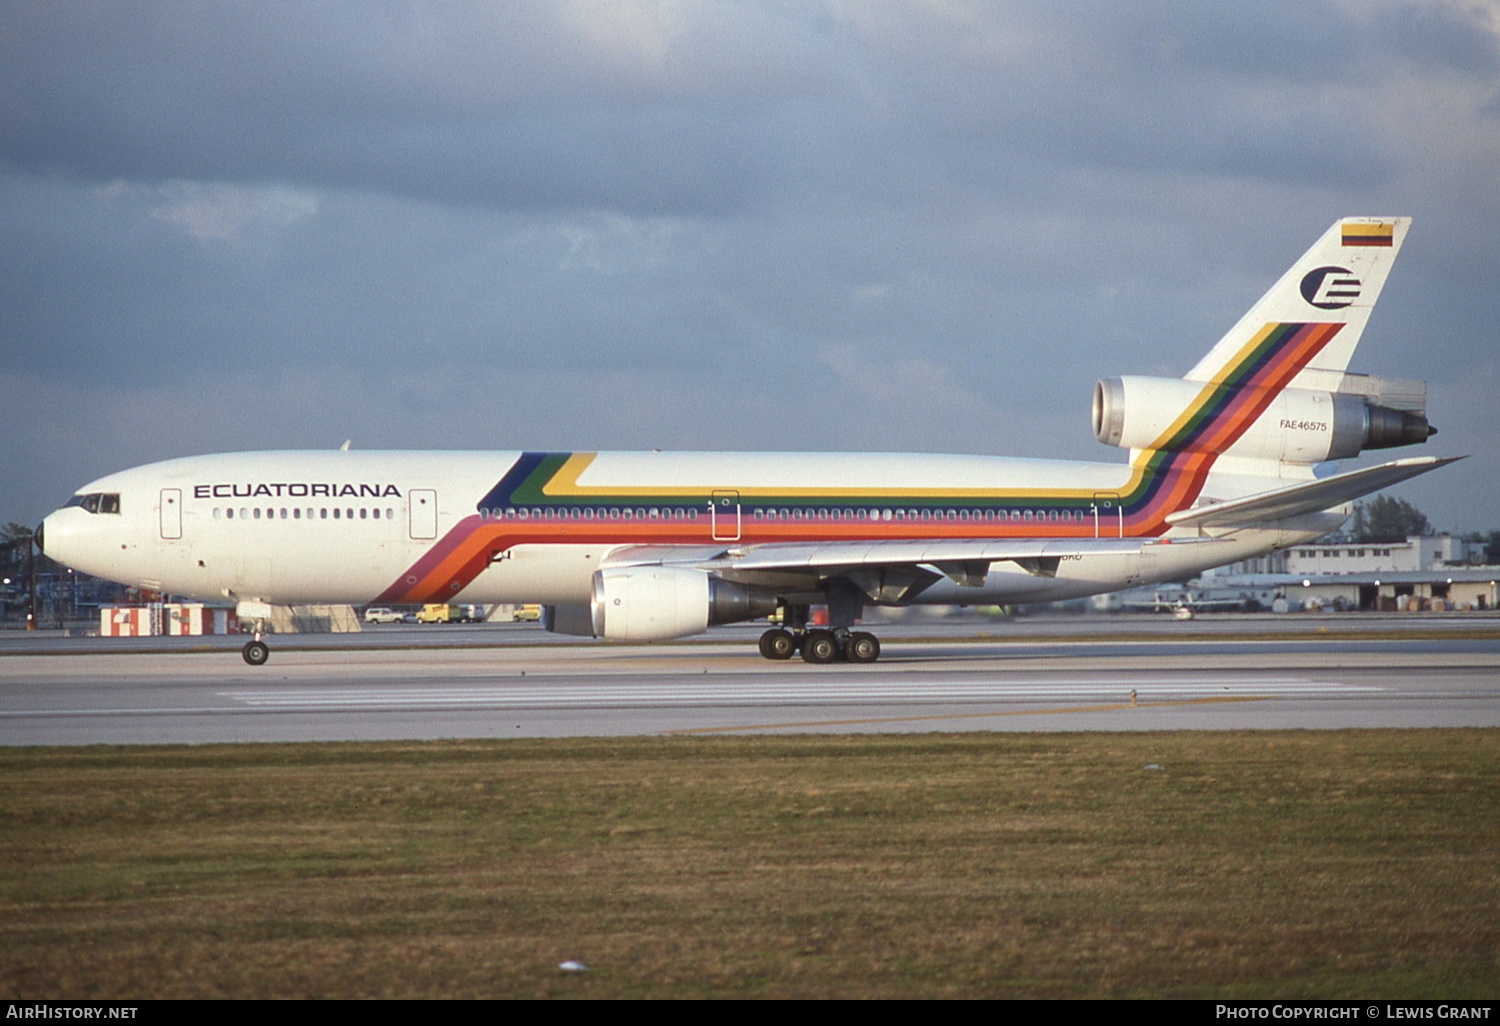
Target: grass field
{"x":1264,"y":864}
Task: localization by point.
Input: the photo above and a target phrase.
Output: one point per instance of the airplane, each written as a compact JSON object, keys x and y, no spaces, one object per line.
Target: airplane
{"x":1225,"y":463}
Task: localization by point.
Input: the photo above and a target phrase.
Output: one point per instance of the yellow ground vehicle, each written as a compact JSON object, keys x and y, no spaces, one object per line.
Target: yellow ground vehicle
{"x":440,"y":612}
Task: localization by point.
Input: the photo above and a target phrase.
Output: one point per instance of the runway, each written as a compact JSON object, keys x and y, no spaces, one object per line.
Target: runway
{"x":929,"y":684}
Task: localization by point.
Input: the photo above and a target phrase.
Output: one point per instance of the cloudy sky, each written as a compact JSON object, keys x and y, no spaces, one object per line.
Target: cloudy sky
{"x":870,"y":224}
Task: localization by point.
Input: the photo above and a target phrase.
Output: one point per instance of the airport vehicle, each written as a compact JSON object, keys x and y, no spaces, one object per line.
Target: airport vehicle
{"x":528,"y":612}
{"x":436,"y":612}
{"x":648,"y":546}
{"x":443,"y":612}
{"x":383,"y":614}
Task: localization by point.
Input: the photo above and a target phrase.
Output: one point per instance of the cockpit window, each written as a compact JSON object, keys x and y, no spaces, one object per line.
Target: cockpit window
{"x":97,"y":502}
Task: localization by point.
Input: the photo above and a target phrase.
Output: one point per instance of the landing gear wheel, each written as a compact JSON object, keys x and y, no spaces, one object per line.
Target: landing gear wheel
{"x":777,"y":644}
{"x":820,"y":647}
{"x":862,"y":647}
{"x":256,"y":653}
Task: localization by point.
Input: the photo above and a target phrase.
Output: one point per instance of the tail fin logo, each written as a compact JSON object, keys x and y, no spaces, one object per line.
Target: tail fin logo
{"x":1330,"y":288}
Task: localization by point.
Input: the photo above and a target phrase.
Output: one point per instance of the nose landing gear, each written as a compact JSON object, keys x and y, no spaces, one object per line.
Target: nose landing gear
{"x":256,"y":651}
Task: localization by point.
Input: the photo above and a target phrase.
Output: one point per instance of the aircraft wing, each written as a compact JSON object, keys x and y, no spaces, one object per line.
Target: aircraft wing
{"x":1308,"y":497}
{"x":896,"y":568}
{"x":900,"y":564}
{"x":824,"y":556}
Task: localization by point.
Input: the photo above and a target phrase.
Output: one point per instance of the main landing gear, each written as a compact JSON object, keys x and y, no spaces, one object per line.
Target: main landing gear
{"x":820,"y":645}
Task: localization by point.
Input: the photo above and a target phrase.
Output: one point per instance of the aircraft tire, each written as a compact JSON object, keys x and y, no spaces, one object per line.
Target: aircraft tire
{"x":862,"y":647}
{"x":256,"y":653}
{"x":820,"y":647}
{"x":777,"y":643}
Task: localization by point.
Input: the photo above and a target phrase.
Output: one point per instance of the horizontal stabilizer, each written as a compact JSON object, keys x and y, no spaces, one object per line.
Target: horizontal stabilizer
{"x":1309,"y":497}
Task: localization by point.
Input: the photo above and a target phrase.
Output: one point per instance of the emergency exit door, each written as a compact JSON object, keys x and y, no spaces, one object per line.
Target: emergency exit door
{"x":1109,"y":515}
{"x":724,"y":515}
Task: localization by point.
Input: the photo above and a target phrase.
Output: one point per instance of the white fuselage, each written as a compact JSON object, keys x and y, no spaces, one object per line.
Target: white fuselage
{"x":357,"y":527}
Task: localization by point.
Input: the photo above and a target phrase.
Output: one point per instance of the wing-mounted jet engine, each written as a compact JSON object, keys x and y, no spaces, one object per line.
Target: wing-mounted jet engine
{"x":657,"y":603}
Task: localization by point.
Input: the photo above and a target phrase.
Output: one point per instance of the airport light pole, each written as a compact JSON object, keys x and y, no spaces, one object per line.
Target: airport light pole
{"x":30,"y":582}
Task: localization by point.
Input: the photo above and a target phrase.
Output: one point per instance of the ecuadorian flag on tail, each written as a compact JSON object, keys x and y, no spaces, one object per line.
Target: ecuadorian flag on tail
{"x":1376,"y":233}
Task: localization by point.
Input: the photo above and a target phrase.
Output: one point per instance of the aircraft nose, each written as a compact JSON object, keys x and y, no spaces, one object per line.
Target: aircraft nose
{"x":55,"y":532}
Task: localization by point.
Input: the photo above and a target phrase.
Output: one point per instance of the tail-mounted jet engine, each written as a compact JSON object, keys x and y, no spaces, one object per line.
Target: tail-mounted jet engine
{"x":656,"y":603}
{"x":1298,"y":425}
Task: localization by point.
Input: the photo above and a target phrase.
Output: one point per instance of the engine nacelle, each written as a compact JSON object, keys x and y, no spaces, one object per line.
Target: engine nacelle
{"x":655,"y":603}
{"x":1298,"y":425}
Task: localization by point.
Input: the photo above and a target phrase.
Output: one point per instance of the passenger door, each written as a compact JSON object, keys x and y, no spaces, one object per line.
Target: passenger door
{"x":171,"y":513}
{"x":423,"y":513}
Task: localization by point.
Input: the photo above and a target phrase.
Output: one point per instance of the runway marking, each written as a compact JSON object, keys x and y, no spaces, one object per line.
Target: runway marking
{"x":691,"y":692}
{"x":968,"y":716}
{"x":826,"y":692}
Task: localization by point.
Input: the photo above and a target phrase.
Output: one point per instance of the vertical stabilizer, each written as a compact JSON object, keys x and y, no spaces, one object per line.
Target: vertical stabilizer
{"x":1333,"y":286}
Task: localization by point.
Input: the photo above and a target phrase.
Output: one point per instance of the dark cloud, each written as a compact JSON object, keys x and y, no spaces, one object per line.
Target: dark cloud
{"x":506,"y":105}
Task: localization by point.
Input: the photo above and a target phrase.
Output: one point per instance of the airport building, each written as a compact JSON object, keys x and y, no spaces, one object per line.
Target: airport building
{"x":1434,"y":573}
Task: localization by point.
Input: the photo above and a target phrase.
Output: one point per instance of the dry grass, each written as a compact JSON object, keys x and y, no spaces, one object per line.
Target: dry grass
{"x":1360,"y":863}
